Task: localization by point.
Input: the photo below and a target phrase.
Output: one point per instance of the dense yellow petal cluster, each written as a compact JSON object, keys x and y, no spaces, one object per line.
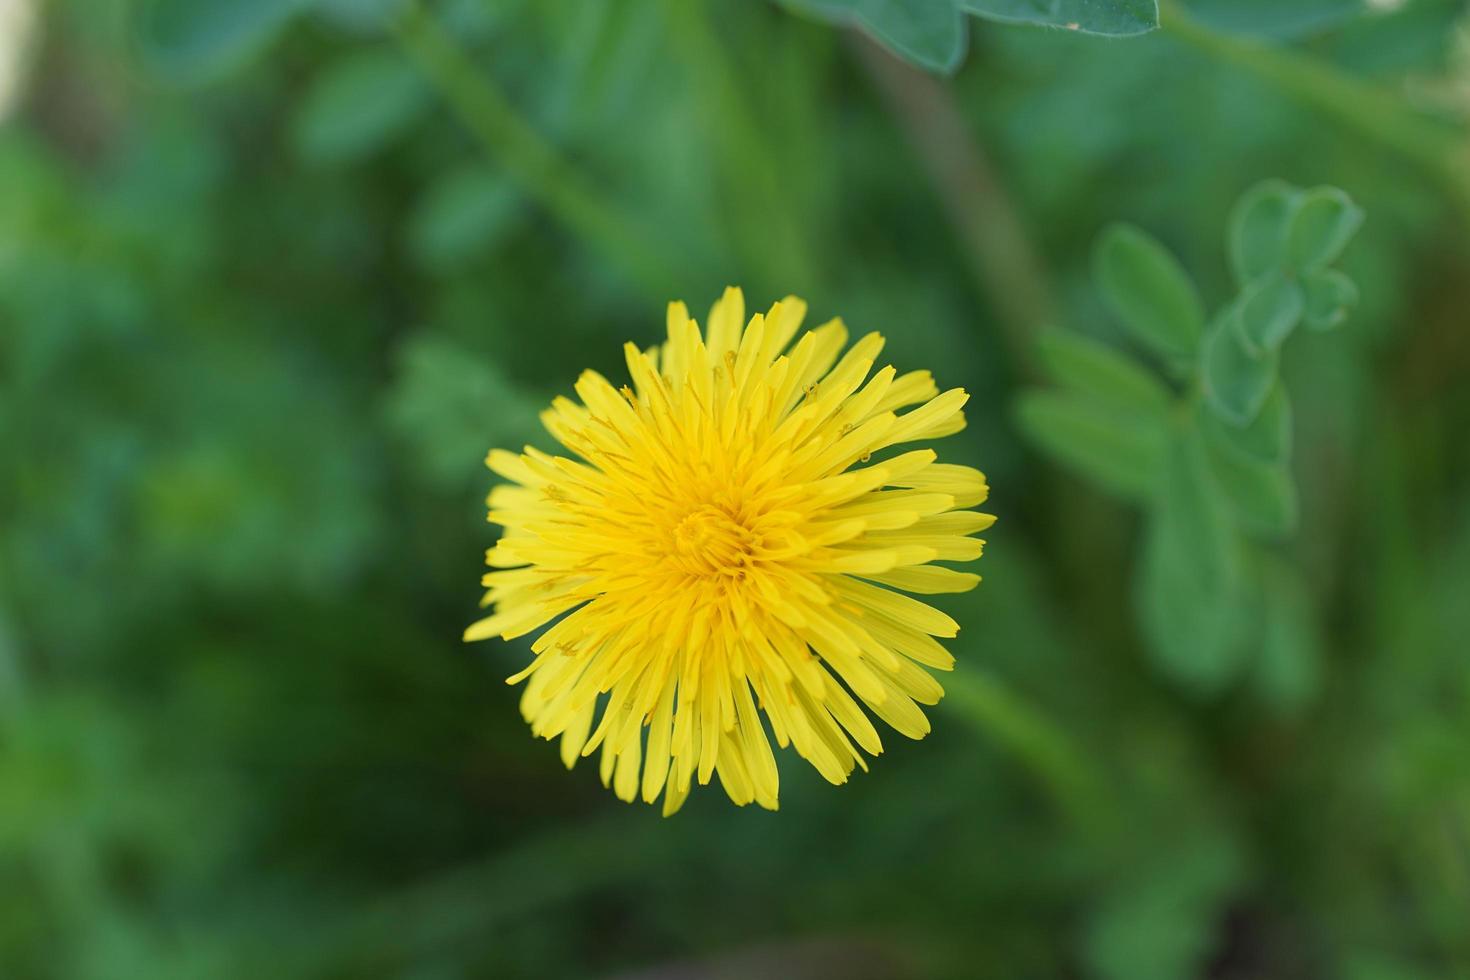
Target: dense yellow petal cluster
{"x":713,"y":556}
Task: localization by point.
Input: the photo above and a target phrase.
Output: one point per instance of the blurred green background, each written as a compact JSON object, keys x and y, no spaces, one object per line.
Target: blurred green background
{"x":275,"y":275}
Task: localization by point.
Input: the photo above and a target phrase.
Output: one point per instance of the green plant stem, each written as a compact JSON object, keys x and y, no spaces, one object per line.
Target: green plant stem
{"x":533,"y":162}
{"x":1045,"y":750}
{"x":1004,"y":263}
{"x":1437,"y":145}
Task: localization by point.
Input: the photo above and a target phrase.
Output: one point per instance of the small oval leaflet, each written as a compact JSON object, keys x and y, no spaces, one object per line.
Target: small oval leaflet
{"x":1149,"y":292}
{"x":1270,"y":311}
{"x":1324,"y":221}
{"x":1330,"y":295}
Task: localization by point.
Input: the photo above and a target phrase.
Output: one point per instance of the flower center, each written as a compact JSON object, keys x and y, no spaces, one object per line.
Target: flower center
{"x":712,"y":541}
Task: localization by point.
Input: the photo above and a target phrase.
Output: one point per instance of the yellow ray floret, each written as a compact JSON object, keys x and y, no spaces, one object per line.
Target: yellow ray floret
{"x":732,"y":544}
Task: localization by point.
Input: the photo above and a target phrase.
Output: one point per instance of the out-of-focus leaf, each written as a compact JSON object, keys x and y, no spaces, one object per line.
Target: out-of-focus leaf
{"x":1289,"y":672}
{"x":1363,"y":964}
{"x":1236,"y":382}
{"x":452,"y":407}
{"x":929,"y":33}
{"x":1267,"y":437}
{"x":360,"y":15}
{"x":1188,"y":585}
{"x":1329,"y":296}
{"x":1090,"y":367}
{"x":933,"y":35}
{"x":1149,"y":291}
{"x":463,"y":213}
{"x":1269,"y":311}
{"x":1262,"y":494}
{"x":1162,"y":920}
{"x":189,"y":40}
{"x":356,"y":105}
{"x":248,"y":499}
{"x":475,"y":19}
{"x":1118,"y":451}
{"x":1323,"y":222}
{"x":1283,"y":19}
{"x":1110,"y":17}
{"x":1259,"y":225}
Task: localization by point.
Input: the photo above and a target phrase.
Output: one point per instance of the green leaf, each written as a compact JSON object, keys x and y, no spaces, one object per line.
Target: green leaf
{"x":1376,"y":964}
{"x":1259,"y":224}
{"x":1090,"y":367}
{"x":1270,"y":309}
{"x":1276,"y":18}
{"x":356,"y":105}
{"x":1289,"y":672}
{"x":1116,"y":18}
{"x":1148,"y":290}
{"x":463,"y":213}
{"x":1267,"y":437}
{"x":1119,"y":452}
{"x":1188,"y":585}
{"x":1323,"y":223}
{"x":1161,"y":919}
{"x":1329,"y":296}
{"x":929,"y":33}
{"x":1236,"y":381}
{"x":190,"y":40}
{"x":450,"y":406}
{"x":363,"y":16}
{"x":933,"y":33}
{"x":1262,"y":494}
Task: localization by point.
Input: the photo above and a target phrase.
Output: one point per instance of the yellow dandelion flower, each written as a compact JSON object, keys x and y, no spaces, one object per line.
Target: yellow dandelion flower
{"x":718,"y":552}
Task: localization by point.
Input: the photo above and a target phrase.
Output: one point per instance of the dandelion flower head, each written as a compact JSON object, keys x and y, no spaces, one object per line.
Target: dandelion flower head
{"x":733,"y":541}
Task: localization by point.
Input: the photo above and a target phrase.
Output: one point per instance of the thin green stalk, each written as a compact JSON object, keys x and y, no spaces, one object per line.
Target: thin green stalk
{"x":533,"y":162}
{"x":1374,"y":113}
{"x":1046,"y":751}
{"x":1003,"y":260}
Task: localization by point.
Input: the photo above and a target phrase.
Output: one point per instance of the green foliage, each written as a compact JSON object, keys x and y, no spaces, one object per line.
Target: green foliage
{"x":361,"y":15}
{"x":1281,"y":241}
{"x":1329,"y":297}
{"x":1236,"y":377}
{"x":1276,"y":228}
{"x":1149,"y":292}
{"x":1108,"y":425}
{"x":1267,"y":437}
{"x":1272,"y":18}
{"x":1289,"y":673}
{"x":933,"y":34}
{"x":1096,"y":370}
{"x":1259,"y":225}
{"x":463,"y":214}
{"x":1269,"y":311}
{"x":1224,"y":475}
{"x":448,"y":405}
{"x":245,"y":399}
{"x":1114,"y":18}
{"x":1323,"y":221}
{"x":1261,"y":493}
{"x":1189,"y":573}
{"x":357,"y":105}
{"x":1118,"y":450}
{"x":1160,"y":918}
{"x":192,"y":39}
